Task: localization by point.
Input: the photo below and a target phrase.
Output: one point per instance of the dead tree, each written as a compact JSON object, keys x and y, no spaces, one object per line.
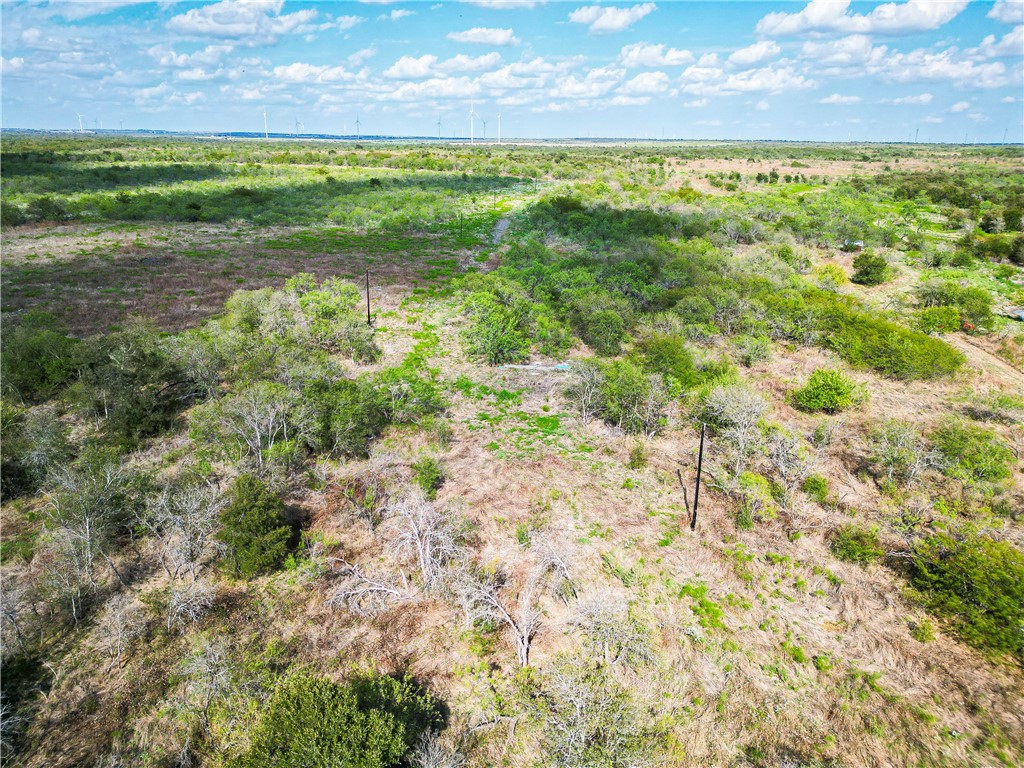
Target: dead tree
{"x":481,"y":597}
{"x":425,"y":534}
{"x":367,"y":594}
{"x":121,"y":622}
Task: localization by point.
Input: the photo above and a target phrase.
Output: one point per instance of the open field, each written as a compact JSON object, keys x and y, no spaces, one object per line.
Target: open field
{"x":216,"y":477}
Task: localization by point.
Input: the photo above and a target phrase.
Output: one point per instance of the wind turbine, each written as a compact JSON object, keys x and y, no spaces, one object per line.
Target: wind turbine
{"x":485,"y":129}
{"x":299,"y":127}
{"x":439,"y":127}
{"x":81,"y":128}
{"x":357,"y":126}
{"x":472,"y":116}
{"x":499,"y":128}
{"x":266,"y":133}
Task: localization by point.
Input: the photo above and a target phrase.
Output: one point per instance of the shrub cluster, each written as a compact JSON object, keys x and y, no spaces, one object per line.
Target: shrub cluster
{"x":826,"y":390}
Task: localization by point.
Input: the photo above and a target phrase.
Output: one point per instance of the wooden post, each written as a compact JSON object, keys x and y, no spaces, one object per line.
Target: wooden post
{"x":696,"y":490}
{"x":460,"y":225}
{"x":368,"y":321}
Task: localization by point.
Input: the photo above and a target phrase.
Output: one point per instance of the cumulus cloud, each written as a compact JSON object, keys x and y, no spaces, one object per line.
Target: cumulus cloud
{"x":697,"y":103}
{"x":925,"y":65}
{"x":888,"y":18}
{"x":504,"y":5}
{"x":653,"y":55}
{"x":249,"y":21}
{"x":597,"y":82}
{"x":311,"y":73}
{"x":605,"y":19}
{"x":360,"y":56}
{"x":647,"y":82}
{"x":752,"y":54}
{"x":412,"y":68}
{"x":960,"y":106}
{"x":921,"y":99}
{"x":73,"y":10}
{"x":395,"y":15}
{"x":1008,"y":11}
{"x":211,"y":54}
{"x":434,"y":88}
{"x":836,"y":98}
{"x":12,"y":65}
{"x":485,"y":36}
{"x":1011,"y":45}
{"x":762,"y":105}
{"x":932,"y":119}
{"x":708,"y":81}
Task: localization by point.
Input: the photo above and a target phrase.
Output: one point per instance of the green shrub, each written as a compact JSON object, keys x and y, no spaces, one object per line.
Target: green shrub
{"x":429,"y":476}
{"x":856,"y":545}
{"x":37,"y":357}
{"x":754,"y":349}
{"x":637,"y":457}
{"x":939,"y":320}
{"x":668,"y":356}
{"x":974,"y":302}
{"x":311,"y":722}
{"x":978,"y":584}
{"x":498,"y":331}
{"x":923,"y":631}
{"x":972,"y":452}
{"x":254,"y":531}
{"x":816,"y":486}
{"x":870,"y":268}
{"x":631,"y":399}
{"x":826,"y":390}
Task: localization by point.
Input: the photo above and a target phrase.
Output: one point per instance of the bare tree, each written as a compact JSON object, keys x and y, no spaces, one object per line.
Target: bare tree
{"x":736,"y":411}
{"x":481,"y":597}
{"x":554,"y":558}
{"x":431,"y":752}
{"x":368,"y":594}
{"x":606,"y":623}
{"x":253,"y":420}
{"x":121,"y":622}
{"x":85,"y":510}
{"x":425,"y":534}
{"x":790,"y":459}
{"x":188,"y":603}
{"x":585,"y":389}
{"x":208,"y":678}
{"x":13,"y":596}
{"x":899,"y":451}
{"x":183,"y":518}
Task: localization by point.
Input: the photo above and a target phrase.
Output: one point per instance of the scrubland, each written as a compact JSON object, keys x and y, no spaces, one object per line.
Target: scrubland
{"x":242,"y":527}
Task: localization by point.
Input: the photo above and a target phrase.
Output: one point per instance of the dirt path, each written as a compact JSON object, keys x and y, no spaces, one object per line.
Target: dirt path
{"x":499,"y":229}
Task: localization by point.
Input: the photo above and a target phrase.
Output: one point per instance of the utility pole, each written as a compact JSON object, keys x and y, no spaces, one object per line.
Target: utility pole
{"x":696,"y":490}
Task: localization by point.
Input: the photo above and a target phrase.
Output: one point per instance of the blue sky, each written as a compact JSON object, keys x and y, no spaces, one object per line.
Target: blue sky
{"x":824,"y":70}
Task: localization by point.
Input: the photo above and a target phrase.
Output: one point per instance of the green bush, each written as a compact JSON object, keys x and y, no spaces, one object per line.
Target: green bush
{"x":870,"y":268}
{"x":974,"y":302}
{"x":311,"y":722}
{"x":856,"y":545}
{"x":254,"y":530}
{"x":498,"y":331}
{"x":939,"y":320}
{"x":826,"y":390}
{"x":668,"y":356}
{"x":631,"y":399}
{"x":816,"y":486}
{"x":37,"y":357}
{"x":429,"y":476}
{"x":972,"y":452}
{"x":978,"y":584}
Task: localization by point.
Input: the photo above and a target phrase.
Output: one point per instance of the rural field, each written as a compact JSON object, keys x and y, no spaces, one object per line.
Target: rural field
{"x":233,"y":510}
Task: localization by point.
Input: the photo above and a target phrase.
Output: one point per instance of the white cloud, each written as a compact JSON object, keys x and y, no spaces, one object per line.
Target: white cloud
{"x":853,"y":52}
{"x":463,"y":63}
{"x":341,"y":23}
{"x":752,"y":54}
{"x":604,"y":19}
{"x":1008,"y":11}
{"x":395,"y":15}
{"x":708,"y":60}
{"x":357,"y":58}
{"x":1009,"y":100}
{"x":434,"y":88}
{"x":1011,"y":45}
{"x":836,"y":98}
{"x":411,"y":68}
{"x":73,"y":10}
{"x":888,"y":18}
{"x":12,"y":65}
{"x":960,"y":106}
{"x":596,"y":82}
{"x":932,"y":119}
{"x":485,"y":36}
{"x":921,"y":99}
{"x":311,"y":73}
{"x":250,"y":21}
{"x":697,"y":103}
{"x":925,"y":65}
{"x":762,"y":105}
{"x":629,"y":101}
{"x":504,"y":5}
{"x":646,"y":82}
{"x":211,"y":54}
{"x":978,"y":117}
{"x":708,"y":81}
{"x":653,"y":55}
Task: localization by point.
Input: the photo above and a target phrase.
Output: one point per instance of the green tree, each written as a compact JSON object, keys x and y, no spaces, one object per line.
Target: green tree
{"x":870,"y":268}
{"x":255,"y":532}
{"x":826,"y":390}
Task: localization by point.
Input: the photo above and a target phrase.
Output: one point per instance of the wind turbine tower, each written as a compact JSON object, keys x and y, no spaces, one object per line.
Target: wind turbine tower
{"x":439,"y":127}
{"x":266,"y":133}
{"x":472,"y":117}
{"x":357,"y":126}
{"x":485,"y":129}
{"x":81,"y":128}
{"x":499,"y":128}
